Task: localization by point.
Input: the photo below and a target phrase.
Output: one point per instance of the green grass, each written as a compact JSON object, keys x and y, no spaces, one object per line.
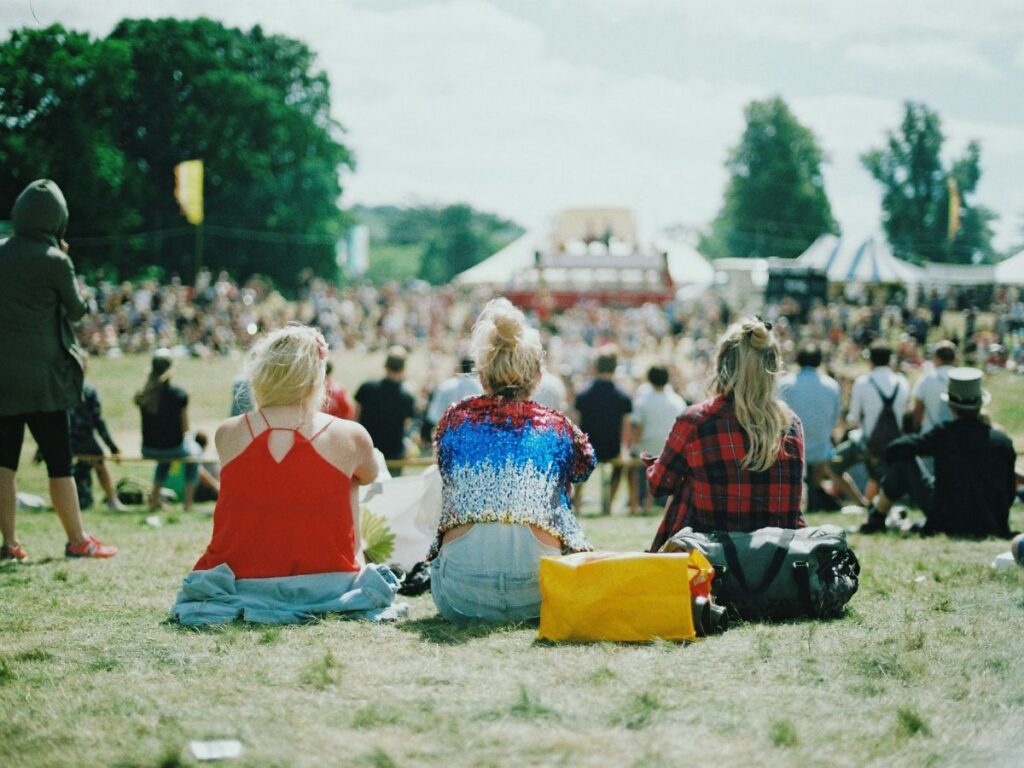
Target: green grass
{"x":925,"y":669}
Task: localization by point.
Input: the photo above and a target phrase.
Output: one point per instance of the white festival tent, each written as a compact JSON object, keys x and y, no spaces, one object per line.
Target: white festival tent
{"x":870,"y":261}
{"x":1011,"y":271}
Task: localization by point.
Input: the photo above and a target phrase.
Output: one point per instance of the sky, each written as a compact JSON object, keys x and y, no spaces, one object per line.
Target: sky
{"x":525,"y":107}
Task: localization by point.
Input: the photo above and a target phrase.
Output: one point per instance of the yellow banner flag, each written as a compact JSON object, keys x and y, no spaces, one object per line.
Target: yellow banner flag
{"x":188,"y":189}
{"x":954,"y":209}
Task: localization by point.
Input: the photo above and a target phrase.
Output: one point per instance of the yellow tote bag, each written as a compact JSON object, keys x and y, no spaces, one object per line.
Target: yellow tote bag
{"x":623,"y":596}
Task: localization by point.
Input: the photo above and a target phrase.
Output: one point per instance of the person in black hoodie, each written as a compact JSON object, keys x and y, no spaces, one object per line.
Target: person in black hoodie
{"x":41,"y":363}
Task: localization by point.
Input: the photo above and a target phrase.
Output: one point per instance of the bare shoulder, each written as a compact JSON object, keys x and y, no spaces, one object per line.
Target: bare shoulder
{"x":344,"y":443}
{"x":231,"y":438}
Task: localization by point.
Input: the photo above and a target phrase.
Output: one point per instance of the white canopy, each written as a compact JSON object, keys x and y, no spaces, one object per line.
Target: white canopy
{"x":686,"y":265}
{"x":499,"y":268}
{"x":1011,"y":270}
{"x":870,"y":261}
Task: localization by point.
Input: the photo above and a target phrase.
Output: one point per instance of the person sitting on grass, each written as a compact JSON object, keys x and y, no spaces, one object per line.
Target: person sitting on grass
{"x":287,"y":505}
{"x":164,"y":411}
{"x":734,"y":462}
{"x":974,"y":482}
{"x":507,"y":467}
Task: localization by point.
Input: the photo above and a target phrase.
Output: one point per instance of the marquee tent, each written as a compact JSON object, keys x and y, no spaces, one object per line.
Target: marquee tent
{"x":870,"y":261}
{"x":1011,"y":270}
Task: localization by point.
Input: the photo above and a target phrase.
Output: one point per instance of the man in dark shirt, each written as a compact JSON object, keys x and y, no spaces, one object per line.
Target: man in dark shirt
{"x":385,"y":408}
{"x":974,"y":482}
{"x":604,"y":416}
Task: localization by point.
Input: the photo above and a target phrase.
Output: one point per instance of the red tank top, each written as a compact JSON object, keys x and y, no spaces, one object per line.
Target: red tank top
{"x":282,"y":518}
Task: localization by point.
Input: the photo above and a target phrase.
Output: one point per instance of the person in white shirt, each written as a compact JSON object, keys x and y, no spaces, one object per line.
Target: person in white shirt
{"x":453,"y":390}
{"x":655,"y":409}
{"x":865,"y":408}
{"x":927,"y":406}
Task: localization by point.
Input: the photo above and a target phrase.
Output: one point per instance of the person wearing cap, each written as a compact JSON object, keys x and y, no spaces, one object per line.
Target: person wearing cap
{"x":974,"y":482}
{"x":385,"y":408}
{"x":164,"y":411}
{"x":41,"y":362}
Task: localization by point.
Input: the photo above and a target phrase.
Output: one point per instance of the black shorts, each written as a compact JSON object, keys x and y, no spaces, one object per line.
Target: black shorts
{"x":52,"y":433}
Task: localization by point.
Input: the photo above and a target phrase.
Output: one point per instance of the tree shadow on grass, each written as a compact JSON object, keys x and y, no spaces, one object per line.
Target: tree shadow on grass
{"x":436,"y":630}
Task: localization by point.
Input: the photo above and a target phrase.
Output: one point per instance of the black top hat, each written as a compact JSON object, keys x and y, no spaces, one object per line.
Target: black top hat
{"x":964,"y":391}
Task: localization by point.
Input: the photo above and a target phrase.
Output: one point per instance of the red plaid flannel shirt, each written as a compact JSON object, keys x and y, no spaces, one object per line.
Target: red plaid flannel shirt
{"x":700,"y":468}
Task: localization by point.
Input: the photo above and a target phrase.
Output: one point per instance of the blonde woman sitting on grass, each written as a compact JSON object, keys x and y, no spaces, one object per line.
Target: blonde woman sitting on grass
{"x":734,"y":462}
{"x":507,"y":468}
{"x":285,"y":539}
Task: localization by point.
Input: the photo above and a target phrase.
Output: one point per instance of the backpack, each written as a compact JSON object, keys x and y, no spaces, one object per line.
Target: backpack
{"x":777,"y":573}
{"x":886,"y":428}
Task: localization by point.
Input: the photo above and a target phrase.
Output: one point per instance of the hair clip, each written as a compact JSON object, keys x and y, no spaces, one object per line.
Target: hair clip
{"x":321,"y":347}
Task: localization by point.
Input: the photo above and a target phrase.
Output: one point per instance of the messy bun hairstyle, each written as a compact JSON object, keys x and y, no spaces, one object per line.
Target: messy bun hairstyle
{"x":288,"y":367}
{"x":507,"y":351}
{"x":746,"y":364}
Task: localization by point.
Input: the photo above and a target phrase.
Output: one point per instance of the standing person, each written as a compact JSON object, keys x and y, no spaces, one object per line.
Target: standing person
{"x":604,"y":417}
{"x":655,"y":411}
{"x":815,"y":398}
{"x":868,"y":398}
{"x":928,"y":407}
{"x":734,"y":462}
{"x":86,"y":422}
{"x":974,"y":482}
{"x":288,"y":502}
{"x":507,"y":467}
{"x":337,"y":402}
{"x":164,"y":411}
{"x":386,"y":409}
{"x":453,"y":390}
{"x":41,"y":363}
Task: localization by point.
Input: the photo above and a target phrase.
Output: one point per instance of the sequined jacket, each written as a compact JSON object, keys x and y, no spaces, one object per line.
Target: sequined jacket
{"x":511,"y":462}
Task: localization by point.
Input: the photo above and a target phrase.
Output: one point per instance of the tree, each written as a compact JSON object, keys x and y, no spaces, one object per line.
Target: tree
{"x":916,"y":193}
{"x":775,"y":203}
{"x":454,"y":247}
{"x":59,"y":97}
{"x":255,"y":108}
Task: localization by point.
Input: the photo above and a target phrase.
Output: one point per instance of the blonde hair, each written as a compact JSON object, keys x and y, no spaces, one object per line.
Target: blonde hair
{"x":288,"y":367}
{"x":507,"y":352}
{"x":746,"y":364}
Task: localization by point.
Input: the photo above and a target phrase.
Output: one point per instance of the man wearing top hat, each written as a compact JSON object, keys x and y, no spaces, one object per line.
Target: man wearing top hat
{"x":974,"y":482}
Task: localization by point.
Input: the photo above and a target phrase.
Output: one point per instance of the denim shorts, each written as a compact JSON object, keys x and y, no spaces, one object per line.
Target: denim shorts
{"x":490,"y":573}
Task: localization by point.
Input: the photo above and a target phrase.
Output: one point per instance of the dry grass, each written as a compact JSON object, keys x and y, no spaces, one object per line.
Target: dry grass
{"x":924,"y":670}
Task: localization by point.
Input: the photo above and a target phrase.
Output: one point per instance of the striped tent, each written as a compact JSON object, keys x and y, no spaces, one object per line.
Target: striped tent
{"x":871,"y":261}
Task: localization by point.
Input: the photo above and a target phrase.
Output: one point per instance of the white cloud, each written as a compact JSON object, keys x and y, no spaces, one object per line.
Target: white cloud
{"x":931,"y":56}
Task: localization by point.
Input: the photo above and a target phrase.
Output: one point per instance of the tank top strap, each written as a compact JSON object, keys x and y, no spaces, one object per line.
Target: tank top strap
{"x":265,"y":419}
{"x":322,"y":429}
{"x":249,"y":425}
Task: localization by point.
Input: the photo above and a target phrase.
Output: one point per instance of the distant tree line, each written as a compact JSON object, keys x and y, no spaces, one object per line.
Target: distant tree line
{"x":108,"y":119}
{"x":775,"y":203}
{"x":430,"y":242}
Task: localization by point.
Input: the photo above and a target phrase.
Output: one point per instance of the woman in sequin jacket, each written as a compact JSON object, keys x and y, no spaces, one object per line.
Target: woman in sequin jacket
{"x":507,"y":468}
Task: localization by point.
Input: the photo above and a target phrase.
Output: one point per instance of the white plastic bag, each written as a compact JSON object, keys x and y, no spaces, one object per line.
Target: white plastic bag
{"x":411,"y":507}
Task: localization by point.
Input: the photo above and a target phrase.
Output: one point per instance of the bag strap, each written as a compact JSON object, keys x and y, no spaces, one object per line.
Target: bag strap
{"x":732,"y":559}
{"x":886,"y":401}
{"x":802,"y":577}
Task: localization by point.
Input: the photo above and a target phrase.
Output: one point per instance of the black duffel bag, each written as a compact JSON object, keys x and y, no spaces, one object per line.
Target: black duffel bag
{"x":778,"y":573}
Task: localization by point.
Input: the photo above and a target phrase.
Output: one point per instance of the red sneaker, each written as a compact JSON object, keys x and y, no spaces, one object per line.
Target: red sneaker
{"x":13,"y":552}
{"x":91,"y":547}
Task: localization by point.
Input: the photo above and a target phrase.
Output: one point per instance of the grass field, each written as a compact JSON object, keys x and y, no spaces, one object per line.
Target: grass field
{"x":925,"y":669}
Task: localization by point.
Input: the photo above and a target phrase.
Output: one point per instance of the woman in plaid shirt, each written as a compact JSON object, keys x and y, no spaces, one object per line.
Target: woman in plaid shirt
{"x":734,"y":462}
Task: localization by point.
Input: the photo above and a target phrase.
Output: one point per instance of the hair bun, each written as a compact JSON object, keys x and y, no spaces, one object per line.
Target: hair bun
{"x":757,"y":334}
{"x":506,"y":330}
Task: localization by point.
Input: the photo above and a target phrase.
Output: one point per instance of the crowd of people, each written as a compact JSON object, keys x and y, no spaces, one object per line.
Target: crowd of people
{"x":533,"y":407}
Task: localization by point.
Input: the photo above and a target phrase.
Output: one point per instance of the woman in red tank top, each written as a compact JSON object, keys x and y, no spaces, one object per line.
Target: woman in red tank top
{"x":289,"y":476}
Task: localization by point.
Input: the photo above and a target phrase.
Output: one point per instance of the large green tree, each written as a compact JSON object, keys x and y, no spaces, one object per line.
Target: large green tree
{"x":254,"y":107}
{"x":775,"y":203}
{"x":916,"y":192}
